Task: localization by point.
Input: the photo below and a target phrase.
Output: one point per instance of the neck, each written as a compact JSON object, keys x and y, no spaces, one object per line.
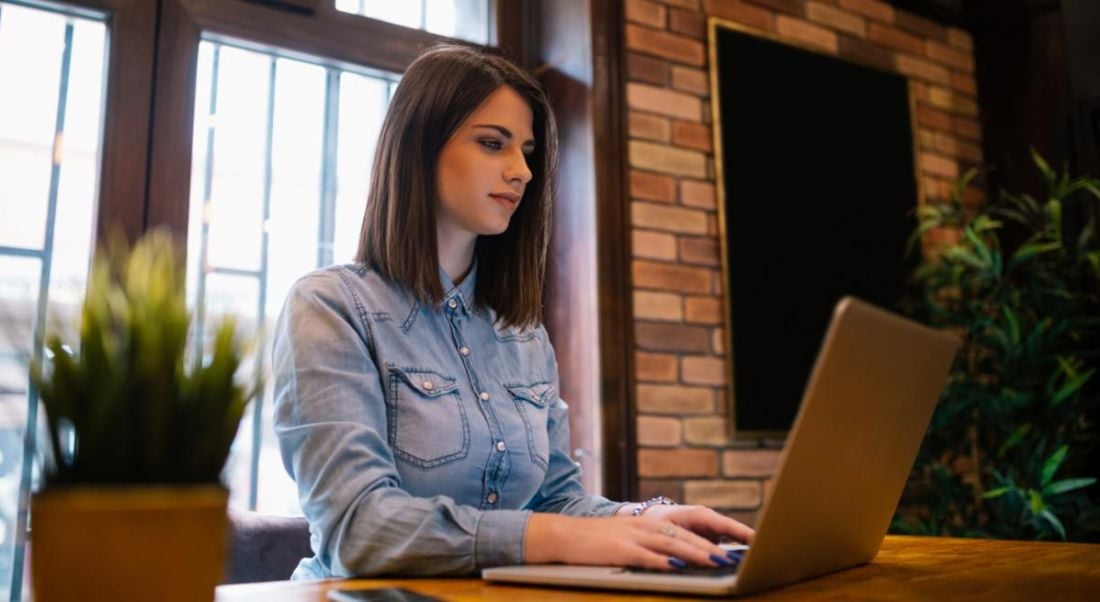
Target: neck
{"x":456,"y":253}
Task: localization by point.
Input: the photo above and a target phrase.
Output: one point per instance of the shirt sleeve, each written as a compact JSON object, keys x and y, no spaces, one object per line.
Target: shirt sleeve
{"x":562,"y":491}
{"x":331,"y":423}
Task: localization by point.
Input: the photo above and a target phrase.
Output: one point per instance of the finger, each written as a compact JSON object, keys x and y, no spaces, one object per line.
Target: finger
{"x":686,"y":546}
{"x":703,"y":543}
{"x":655,"y":561}
{"x":717,"y":525}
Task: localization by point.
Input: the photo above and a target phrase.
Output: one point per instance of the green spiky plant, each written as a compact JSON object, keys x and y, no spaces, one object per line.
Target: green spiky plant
{"x":125,"y":407}
{"x":1005,"y":454}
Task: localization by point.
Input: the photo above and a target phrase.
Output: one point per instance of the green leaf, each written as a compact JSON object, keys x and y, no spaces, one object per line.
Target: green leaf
{"x":1016,"y":436}
{"x":1035,"y":502}
{"x":1065,"y":485}
{"x":1070,"y":387}
{"x":995,"y":493}
{"x":1047,"y":515}
{"x":1051,"y":465}
{"x":1044,"y":167}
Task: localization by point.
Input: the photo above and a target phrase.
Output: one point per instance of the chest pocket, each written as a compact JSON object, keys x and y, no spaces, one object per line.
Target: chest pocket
{"x":427,"y":423}
{"x":533,"y":403}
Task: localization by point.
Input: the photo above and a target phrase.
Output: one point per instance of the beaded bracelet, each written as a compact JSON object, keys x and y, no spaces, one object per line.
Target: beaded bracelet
{"x":656,"y":501}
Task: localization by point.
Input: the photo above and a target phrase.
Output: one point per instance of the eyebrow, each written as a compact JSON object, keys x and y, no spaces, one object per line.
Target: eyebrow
{"x":504,"y":132}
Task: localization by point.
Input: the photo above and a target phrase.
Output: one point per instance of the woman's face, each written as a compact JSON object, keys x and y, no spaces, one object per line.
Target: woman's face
{"x":482,"y":169}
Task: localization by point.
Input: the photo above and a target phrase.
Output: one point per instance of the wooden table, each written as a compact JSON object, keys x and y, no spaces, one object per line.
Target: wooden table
{"x":906,"y":568}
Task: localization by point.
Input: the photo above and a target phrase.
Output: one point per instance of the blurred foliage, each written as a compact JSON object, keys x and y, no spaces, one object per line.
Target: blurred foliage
{"x":1007,"y":452}
{"x":122,"y":408}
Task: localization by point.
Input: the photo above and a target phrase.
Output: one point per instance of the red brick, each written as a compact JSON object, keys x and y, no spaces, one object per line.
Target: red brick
{"x":960,"y":39}
{"x":703,"y":371}
{"x":700,"y":251}
{"x":663,"y":101}
{"x":675,"y":399}
{"x":866,"y":53}
{"x":651,"y":305}
{"x":670,"y":277}
{"x":939,"y":165}
{"x":668,"y":218}
{"x":967,"y":128}
{"x":895,"y":38}
{"x":653,"y":245}
{"x":640,"y":67}
{"x":689,"y":4}
{"x":950,"y":56}
{"x":724,"y":494}
{"x":706,"y":430}
{"x":651,"y":488}
{"x":688,"y":22}
{"x":965,"y":83}
{"x":921,"y":26}
{"x":718,"y":341}
{"x":667,"y":159}
{"x":674,"y":47}
{"x":695,"y":193}
{"x":874,"y":9}
{"x":691,"y":135}
{"x":646,"y":126}
{"x":652,"y":187}
{"x":935,"y":119}
{"x":970,"y":152}
{"x":703,"y":310}
{"x":835,"y":18}
{"x":688,"y":79}
{"x":740,"y":12}
{"x":923,"y":69}
{"x":807,"y":33}
{"x":646,"y":13}
{"x":661,"y":336}
{"x":750,"y":462}
{"x":792,"y":7}
{"x":656,"y":367}
{"x":658,"y":431}
{"x":677,"y":463}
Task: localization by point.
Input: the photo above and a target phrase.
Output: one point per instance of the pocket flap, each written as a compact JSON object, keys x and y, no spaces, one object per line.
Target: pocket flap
{"x":427,"y":382}
{"x":539,"y":394}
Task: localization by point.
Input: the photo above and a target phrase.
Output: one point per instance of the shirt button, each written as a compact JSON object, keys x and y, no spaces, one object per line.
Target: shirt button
{"x":452,"y":304}
{"x":501,"y":446}
{"x":428,"y":385}
{"x":492,"y":497}
{"x":464,"y":351}
{"x":484,"y":396}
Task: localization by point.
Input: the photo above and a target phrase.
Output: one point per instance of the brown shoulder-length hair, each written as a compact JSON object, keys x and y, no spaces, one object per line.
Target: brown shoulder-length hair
{"x":438,"y":92}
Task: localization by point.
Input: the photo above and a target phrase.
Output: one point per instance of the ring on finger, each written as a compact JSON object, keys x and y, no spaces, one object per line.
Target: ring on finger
{"x":668,"y":529}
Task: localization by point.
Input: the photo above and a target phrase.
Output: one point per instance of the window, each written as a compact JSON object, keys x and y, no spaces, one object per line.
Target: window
{"x":280,"y":168}
{"x":463,"y":19}
{"x":49,"y":177}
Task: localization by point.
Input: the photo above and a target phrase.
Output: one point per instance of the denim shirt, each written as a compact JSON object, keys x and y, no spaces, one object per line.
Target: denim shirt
{"x":420,"y":437}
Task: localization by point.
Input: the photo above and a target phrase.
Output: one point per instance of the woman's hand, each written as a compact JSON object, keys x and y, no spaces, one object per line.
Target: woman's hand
{"x":702,"y":521}
{"x":651,"y":542}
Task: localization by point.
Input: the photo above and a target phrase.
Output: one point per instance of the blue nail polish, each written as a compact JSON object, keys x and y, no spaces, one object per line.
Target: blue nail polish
{"x":734,"y":555}
{"x":676,"y":563}
{"x":719,"y":560}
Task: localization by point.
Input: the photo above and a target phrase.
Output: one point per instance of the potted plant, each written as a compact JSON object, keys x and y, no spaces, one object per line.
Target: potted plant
{"x":1007,"y":454}
{"x":132,"y":507}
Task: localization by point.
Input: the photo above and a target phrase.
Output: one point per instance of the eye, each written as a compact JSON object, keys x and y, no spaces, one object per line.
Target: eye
{"x":491,"y":143}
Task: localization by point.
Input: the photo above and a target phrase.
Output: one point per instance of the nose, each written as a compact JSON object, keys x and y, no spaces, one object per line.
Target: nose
{"x":517,"y":171}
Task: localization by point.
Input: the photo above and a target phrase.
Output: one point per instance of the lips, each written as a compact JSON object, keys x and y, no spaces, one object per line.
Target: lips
{"x":509,"y":199}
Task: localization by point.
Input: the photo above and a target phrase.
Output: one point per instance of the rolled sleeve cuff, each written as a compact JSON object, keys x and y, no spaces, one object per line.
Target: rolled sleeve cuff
{"x":500,"y":536}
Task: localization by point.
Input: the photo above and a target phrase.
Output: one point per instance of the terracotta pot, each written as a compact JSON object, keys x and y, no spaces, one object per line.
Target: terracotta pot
{"x":123,"y":543}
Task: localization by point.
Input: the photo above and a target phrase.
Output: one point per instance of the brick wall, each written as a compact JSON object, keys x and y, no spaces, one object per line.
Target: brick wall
{"x":683,"y":446}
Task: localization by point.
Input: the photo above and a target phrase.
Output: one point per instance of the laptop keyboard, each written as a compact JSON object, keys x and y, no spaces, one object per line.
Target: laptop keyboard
{"x":691,"y":571}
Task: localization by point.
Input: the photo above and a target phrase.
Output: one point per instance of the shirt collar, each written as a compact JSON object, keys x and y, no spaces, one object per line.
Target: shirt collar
{"x":463,"y":293}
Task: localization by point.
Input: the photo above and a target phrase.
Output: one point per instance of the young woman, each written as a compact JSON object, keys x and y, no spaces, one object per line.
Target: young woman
{"x":416,"y":395}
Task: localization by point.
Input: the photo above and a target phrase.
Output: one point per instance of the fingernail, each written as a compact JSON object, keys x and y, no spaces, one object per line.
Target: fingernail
{"x":734,"y":555}
{"x":676,"y":563}
{"x":719,"y":560}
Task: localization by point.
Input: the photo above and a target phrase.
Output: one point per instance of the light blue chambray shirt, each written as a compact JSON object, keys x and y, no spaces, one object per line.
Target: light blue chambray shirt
{"x":420,"y":437}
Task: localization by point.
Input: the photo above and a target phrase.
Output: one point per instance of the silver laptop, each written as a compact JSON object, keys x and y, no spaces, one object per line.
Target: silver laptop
{"x":868,"y":402}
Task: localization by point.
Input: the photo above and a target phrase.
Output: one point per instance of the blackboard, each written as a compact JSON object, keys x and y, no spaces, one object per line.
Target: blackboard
{"x":817,"y":188}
